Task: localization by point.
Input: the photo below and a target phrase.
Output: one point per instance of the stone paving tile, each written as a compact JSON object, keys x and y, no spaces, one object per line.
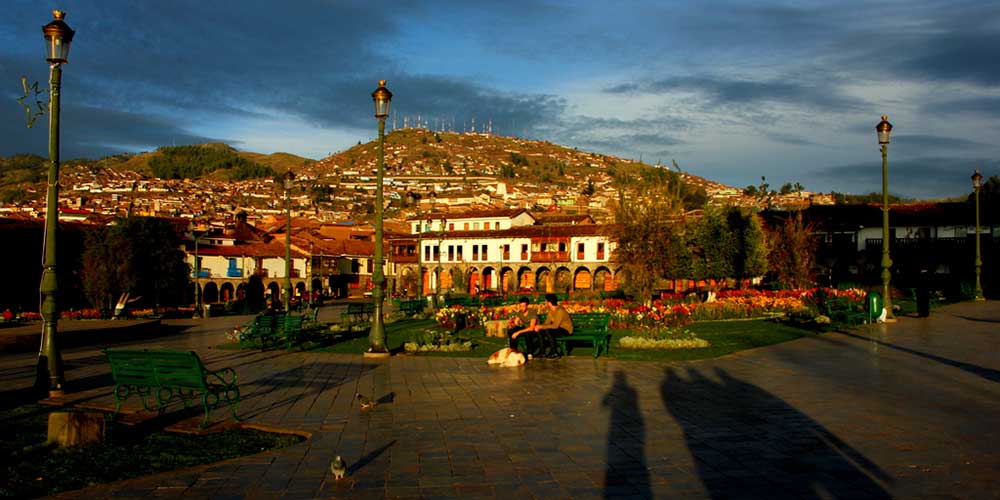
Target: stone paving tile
{"x":903,"y":411}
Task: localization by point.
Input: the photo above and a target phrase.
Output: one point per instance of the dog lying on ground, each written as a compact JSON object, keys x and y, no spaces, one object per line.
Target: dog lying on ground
{"x":506,"y":357}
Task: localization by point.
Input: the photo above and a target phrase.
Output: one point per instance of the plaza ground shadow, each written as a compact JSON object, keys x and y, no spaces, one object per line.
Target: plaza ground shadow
{"x":627,"y":474}
{"x":747,"y":442}
{"x":313,"y":378}
{"x":986,"y":373}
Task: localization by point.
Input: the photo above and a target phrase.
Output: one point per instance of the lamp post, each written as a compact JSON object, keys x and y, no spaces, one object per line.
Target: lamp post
{"x":884,"y":132}
{"x":49,"y":370}
{"x":977,"y":183}
{"x":196,"y":234}
{"x":376,"y":338}
{"x":289,"y":181}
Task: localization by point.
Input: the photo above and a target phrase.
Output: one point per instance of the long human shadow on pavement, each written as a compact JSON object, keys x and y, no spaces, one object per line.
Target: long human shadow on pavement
{"x":748,"y":443}
{"x":986,"y":373}
{"x":627,"y":473}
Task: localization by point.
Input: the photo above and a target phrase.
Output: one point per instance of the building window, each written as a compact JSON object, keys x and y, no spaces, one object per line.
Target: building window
{"x":579,"y":251}
{"x":460,"y":252}
{"x":465,"y":226}
{"x":437,"y":253}
{"x":483,"y":252}
{"x":427,"y":253}
{"x":475,"y":226}
{"x":562,"y":246}
{"x":524,"y":252}
{"x":506,"y":252}
{"x":416,"y":228}
{"x":600,"y":251}
{"x":451,"y":253}
{"x":370,"y":266}
{"x":451,"y":226}
{"x":475,"y":252}
{"x":486,"y":225}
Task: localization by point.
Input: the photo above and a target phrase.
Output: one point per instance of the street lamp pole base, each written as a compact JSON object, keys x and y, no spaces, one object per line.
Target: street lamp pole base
{"x":376,"y":355}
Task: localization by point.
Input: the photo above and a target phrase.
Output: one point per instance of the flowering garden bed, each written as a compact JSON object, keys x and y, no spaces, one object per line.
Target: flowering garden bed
{"x":664,"y":324}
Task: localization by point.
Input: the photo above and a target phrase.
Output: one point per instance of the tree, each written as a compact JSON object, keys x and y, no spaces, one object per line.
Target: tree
{"x":137,"y":257}
{"x":589,"y":189}
{"x":715,"y":245}
{"x":786,"y":189}
{"x":649,"y":238}
{"x":793,"y":252}
{"x":751,"y":244}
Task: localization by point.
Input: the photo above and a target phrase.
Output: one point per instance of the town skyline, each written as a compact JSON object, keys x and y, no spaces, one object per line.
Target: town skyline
{"x":732,"y":92}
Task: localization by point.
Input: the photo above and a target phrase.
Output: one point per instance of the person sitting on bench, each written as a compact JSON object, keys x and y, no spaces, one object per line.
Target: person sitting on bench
{"x":527,"y":320}
{"x":557,"y":324}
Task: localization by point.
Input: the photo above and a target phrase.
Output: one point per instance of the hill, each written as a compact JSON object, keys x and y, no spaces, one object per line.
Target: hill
{"x":209,"y":159}
{"x":423,"y":153}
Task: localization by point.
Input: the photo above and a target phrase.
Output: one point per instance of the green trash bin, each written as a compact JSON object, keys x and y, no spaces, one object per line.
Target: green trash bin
{"x":873,"y":306}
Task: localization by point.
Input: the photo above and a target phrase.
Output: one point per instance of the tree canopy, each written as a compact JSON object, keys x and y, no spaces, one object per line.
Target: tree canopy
{"x":180,"y":162}
{"x":139,"y":256}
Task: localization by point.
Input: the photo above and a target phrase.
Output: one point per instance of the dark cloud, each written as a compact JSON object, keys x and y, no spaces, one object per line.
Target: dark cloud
{"x":88,"y":132}
{"x":926,"y":177}
{"x":918,"y":143}
{"x":619,"y":137}
{"x":984,"y":106}
{"x":435,"y":100}
{"x":789,"y":139}
{"x":720,"y":91}
{"x":927,"y":42}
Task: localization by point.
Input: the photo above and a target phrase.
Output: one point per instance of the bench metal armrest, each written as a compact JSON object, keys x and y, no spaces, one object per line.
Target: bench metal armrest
{"x":227,"y":376}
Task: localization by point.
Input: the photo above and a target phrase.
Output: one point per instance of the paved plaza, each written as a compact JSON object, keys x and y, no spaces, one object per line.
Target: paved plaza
{"x":909,"y":410}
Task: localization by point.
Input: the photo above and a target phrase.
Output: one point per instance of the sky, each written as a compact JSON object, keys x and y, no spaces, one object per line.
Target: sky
{"x":730,"y":90}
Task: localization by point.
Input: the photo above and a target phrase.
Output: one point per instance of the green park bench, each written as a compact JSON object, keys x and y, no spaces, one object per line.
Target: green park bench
{"x":591,"y":328}
{"x":260,"y":331}
{"x":842,"y":310}
{"x":411,"y":306}
{"x":461,"y":301}
{"x":358,"y":313}
{"x":289,"y":328}
{"x":167,"y":375}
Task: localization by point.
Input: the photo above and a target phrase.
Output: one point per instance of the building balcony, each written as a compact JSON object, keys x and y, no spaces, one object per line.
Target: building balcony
{"x":550,"y":257}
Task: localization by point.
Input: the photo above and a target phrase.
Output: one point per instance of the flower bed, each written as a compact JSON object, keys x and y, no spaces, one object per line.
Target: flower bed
{"x":436,"y":340}
{"x":674,"y":310}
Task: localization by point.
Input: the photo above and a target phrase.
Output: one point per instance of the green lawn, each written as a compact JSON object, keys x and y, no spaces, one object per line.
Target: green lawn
{"x":29,"y":470}
{"x":725,"y":337}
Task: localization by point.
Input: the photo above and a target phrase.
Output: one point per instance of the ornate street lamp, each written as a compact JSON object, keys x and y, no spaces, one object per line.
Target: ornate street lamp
{"x":289,"y":183}
{"x":884,"y":132}
{"x":977,"y":183}
{"x":49,"y":370}
{"x":376,"y":337}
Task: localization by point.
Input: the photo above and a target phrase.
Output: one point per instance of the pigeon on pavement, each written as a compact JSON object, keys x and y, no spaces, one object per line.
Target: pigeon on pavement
{"x":365,"y":402}
{"x":338,"y":468}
